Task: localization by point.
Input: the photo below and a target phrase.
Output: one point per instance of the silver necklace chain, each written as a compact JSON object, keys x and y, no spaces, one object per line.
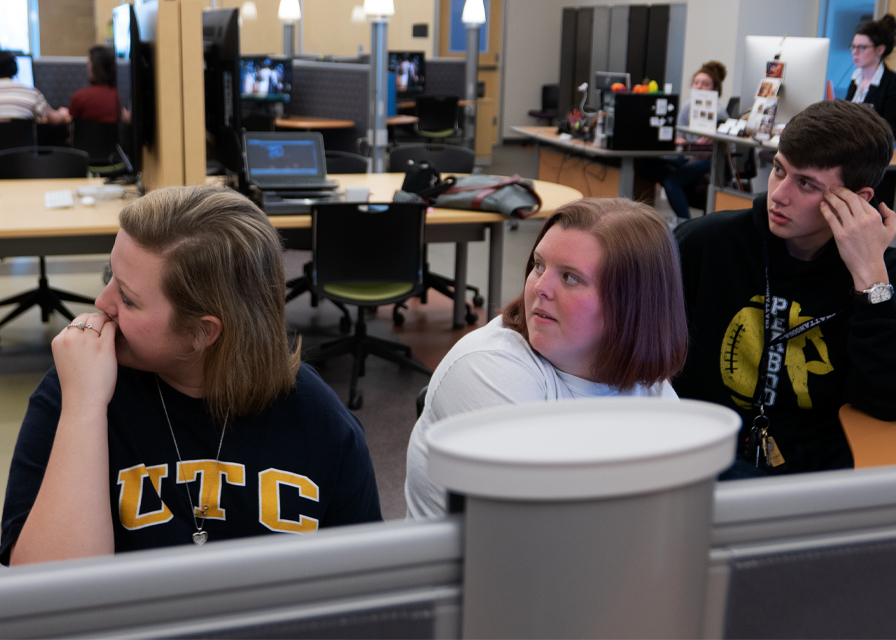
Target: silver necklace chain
{"x":200,"y":537}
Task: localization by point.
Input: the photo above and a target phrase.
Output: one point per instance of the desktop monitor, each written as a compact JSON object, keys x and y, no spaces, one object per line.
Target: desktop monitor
{"x":409,"y":68}
{"x":223,"y":109}
{"x":265,"y":78}
{"x":25,"y":74}
{"x":805,"y":72}
{"x":136,"y":80}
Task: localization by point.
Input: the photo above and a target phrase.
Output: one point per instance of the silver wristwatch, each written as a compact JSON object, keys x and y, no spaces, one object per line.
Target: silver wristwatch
{"x":879,"y":292}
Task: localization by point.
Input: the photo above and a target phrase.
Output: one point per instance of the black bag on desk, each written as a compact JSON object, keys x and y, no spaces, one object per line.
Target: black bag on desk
{"x":512,"y":196}
{"x":424,"y":180}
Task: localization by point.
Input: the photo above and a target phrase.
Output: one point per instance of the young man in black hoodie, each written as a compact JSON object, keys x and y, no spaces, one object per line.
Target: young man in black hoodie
{"x":790,"y":307}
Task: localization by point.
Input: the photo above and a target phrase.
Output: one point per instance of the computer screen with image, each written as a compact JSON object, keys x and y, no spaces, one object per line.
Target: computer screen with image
{"x":265,"y":78}
{"x":409,"y":68}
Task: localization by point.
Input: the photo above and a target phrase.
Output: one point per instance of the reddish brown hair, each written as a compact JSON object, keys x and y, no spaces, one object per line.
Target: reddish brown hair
{"x":645,"y":330}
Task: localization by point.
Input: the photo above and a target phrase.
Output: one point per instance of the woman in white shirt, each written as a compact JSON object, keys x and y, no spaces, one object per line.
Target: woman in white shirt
{"x":602,"y":314}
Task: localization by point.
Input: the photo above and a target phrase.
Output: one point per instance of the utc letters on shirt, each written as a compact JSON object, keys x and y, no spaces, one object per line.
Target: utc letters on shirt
{"x":137,"y":509}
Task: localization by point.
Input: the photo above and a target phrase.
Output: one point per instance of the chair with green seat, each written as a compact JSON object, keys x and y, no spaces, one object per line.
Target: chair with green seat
{"x":437,"y":116}
{"x":367,"y":255}
{"x":99,"y":140}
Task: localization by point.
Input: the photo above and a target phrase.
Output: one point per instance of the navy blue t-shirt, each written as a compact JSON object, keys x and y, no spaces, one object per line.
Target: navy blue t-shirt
{"x":299,"y":465}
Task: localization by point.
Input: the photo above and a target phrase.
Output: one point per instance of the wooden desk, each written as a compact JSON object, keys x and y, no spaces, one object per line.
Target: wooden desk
{"x":312,"y":123}
{"x":550,"y":137}
{"x":394,"y":121}
{"x":28,"y":228}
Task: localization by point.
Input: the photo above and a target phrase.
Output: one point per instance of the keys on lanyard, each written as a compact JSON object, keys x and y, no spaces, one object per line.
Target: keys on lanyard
{"x":758,"y":440}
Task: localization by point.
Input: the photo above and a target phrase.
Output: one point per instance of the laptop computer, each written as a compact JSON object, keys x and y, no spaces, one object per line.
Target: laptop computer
{"x":289,"y":168}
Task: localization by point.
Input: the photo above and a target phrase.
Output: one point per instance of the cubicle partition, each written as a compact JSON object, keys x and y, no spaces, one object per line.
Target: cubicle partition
{"x":801,"y":557}
{"x":445,"y":77}
{"x":332,"y":90}
{"x":58,"y":78}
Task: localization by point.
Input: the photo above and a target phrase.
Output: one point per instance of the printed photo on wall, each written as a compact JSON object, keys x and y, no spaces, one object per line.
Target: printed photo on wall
{"x":775,"y":69}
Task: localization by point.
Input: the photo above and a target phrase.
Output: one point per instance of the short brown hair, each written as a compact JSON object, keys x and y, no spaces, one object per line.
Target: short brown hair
{"x":839,"y":133}
{"x":716,"y":71}
{"x":222,"y":258}
{"x":102,"y":66}
{"x":645,"y":329}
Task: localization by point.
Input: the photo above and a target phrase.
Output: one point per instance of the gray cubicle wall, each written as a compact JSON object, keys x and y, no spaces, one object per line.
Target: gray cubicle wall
{"x":806,"y":556}
{"x":332,"y":90}
{"x":58,"y":78}
{"x":445,"y":77}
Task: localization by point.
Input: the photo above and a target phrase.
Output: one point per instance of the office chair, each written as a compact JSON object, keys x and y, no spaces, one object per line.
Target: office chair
{"x":43,"y":162}
{"x":345,"y":162}
{"x":437,"y":116}
{"x":366,"y":255}
{"x":449,"y":158}
{"x":550,"y":97}
{"x":98,"y":139}
{"x":17,"y":132}
{"x":445,"y":157}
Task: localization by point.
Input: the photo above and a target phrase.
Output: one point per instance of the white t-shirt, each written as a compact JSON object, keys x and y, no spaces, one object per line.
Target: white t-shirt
{"x":489,"y":367}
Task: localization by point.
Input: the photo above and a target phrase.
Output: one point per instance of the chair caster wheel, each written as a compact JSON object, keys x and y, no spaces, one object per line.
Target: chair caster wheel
{"x":471,"y":317}
{"x":397,"y":318}
{"x":356,"y":403}
{"x":478,"y":301}
{"x":345,"y":325}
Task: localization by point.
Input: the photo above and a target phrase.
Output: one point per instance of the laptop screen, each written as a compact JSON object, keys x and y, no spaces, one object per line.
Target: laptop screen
{"x":281,"y":160}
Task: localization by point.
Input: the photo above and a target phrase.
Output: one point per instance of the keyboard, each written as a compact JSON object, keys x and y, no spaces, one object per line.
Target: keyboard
{"x":59,"y":199}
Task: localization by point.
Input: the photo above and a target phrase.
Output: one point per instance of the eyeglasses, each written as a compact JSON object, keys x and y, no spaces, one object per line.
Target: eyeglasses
{"x":859,"y":47}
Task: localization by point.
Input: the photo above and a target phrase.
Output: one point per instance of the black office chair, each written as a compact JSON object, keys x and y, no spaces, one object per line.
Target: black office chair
{"x":437,"y":116}
{"x":16,"y":133}
{"x":444,"y":157}
{"x":99,"y":140}
{"x":345,"y":162}
{"x":366,"y":255}
{"x":449,"y":158}
{"x":43,"y":162}
{"x":550,"y":97}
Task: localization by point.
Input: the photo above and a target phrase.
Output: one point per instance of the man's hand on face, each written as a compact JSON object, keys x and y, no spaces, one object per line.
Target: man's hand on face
{"x":861,"y":233}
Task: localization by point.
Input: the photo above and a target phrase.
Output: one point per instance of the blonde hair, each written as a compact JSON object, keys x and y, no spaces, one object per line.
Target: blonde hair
{"x":645,"y":336}
{"x":223,"y":258}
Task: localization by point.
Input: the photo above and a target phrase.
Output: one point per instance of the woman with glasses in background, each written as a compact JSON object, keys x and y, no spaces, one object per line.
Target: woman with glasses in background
{"x":875,"y":85}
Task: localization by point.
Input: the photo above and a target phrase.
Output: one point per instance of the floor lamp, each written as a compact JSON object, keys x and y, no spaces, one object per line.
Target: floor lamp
{"x":473,"y":18}
{"x":290,"y":13}
{"x":378,"y":12}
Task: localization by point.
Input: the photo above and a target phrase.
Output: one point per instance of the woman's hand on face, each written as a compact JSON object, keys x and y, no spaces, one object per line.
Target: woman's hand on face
{"x":85,"y":360}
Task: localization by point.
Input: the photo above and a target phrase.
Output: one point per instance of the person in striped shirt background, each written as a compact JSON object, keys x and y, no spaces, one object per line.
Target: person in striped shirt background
{"x":19,"y":101}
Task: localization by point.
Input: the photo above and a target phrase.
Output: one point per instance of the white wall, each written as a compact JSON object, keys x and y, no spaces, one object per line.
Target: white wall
{"x":715,"y":31}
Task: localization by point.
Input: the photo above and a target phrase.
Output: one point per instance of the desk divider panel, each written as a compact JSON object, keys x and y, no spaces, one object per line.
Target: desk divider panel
{"x":332,"y":90}
{"x":445,"y":77}
{"x":58,"y":78}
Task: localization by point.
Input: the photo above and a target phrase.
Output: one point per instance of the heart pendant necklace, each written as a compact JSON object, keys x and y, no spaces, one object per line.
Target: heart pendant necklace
{"x":201,"y":536}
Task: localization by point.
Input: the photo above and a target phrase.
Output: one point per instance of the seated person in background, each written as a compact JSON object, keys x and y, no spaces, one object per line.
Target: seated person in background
{"x":790,"y":306}
{"x":100,"y":101}
{"x":678,"y":172}
{"x":179,"y":413}
{"x":19,"y":101}
{"x":602,"y":314}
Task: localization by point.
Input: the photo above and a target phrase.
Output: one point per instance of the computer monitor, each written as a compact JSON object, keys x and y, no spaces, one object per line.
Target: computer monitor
{"x":25,"y":74}
{"x":805,"y":72}
{"x":409,"y":68}
{"x":265,"y":78}
{"x":136,"y":79}
{"x":223,"y":109}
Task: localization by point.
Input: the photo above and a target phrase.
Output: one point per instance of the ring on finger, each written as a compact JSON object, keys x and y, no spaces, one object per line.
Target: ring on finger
{"x":92,"y":328}
{"x":78,"y":325}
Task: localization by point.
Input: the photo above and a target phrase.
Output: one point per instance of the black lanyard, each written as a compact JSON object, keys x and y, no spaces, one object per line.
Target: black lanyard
{"x":759,"y":438}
